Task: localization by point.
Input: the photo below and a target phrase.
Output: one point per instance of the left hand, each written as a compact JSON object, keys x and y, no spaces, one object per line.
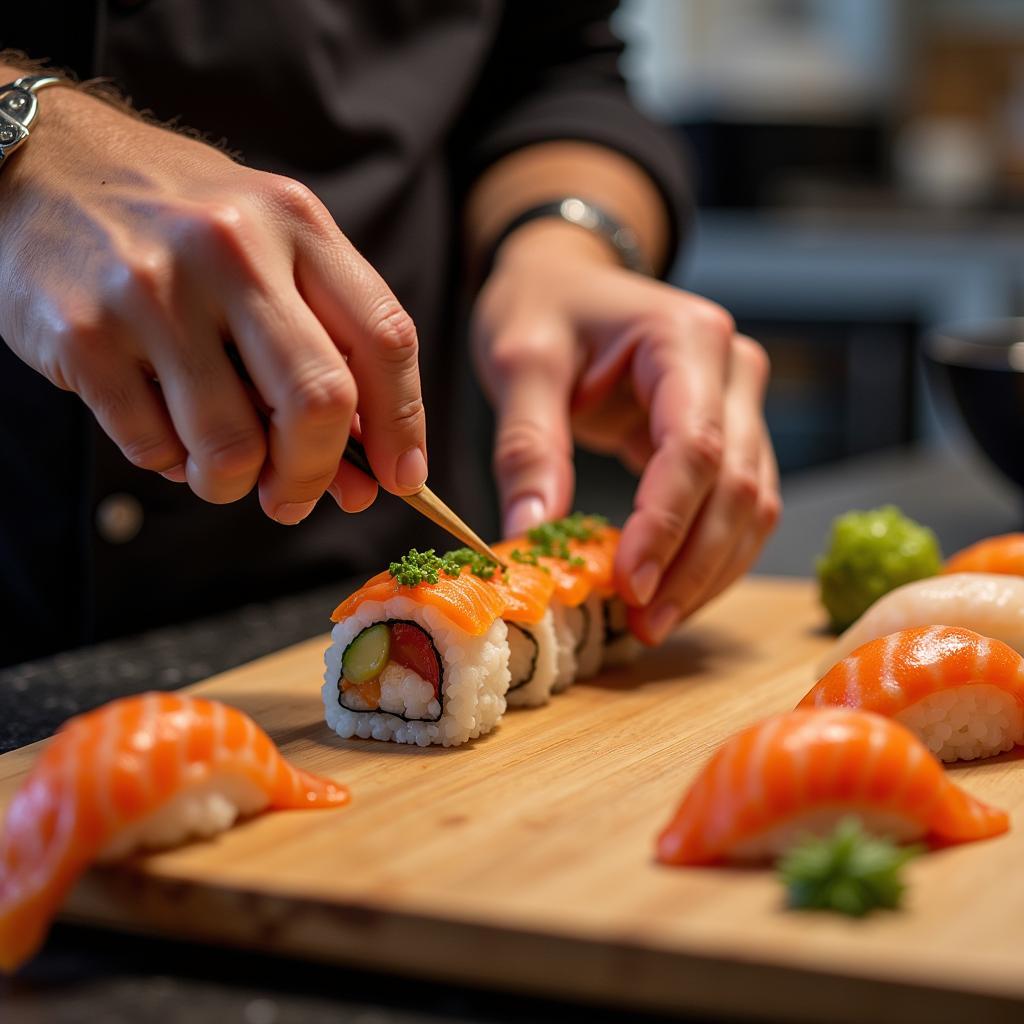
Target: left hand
{"x":570,"y":346}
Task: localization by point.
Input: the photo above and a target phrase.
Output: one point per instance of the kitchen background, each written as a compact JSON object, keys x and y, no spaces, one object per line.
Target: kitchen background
{"x":859,"y":167}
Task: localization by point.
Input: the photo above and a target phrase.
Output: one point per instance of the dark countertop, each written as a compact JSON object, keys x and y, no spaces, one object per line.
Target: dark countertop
{"x":104,"y":977}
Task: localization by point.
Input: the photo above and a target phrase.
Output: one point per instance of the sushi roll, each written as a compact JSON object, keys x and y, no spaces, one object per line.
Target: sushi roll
{"x":590,"y":538}
{"x":139,"y":773}
{"x":800,"y":773}
{"x":533,"y":648}
{"x":960,"y":692}
{"x":1003,"y":554}
{"x":419,"y":654}
{"x":571,"y":590}
{"x":582,"y":547}
{"x":988,"y":603}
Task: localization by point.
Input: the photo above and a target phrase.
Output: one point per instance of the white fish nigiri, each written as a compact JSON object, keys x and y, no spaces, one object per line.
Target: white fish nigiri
{"x":988,"y":603}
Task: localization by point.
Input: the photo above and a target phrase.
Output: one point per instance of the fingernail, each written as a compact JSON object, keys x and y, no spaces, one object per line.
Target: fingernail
{"x":411,"y":469}
{"x":293,"y":512}
{"x":645,"y":581}
{"x":176,"y":474}
{"x":335,"y":492}
{"x":662,"y":621}
{"x":523,"y":514}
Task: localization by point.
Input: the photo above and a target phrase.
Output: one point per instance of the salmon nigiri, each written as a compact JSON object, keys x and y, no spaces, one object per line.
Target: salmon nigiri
{"x":961,"y":692}
{"x":1002,"y":554}
{"x":141,"y":772}
{"x":800,"y":773}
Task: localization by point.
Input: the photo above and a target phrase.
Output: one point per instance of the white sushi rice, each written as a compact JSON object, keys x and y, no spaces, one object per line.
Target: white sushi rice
{"x":565,"y":639}
{"x":962,"y":723}
{"x":821,"y":822}
{"x":202,"y":811}
{"x":407,"y":693}
{"x":474,"y":669}
{"x":620,"y":646}
{"x":537,"y":690}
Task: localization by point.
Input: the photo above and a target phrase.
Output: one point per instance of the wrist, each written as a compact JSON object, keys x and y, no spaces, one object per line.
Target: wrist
{"x":550,"y":239}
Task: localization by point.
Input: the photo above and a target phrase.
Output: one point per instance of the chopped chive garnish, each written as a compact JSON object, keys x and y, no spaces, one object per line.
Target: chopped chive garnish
{"x":418,"y":567}
{"x":479,"y":565}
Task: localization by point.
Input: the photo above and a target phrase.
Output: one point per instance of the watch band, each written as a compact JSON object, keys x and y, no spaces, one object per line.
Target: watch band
{"x":19,"y":109}
{"x":586,"y":215}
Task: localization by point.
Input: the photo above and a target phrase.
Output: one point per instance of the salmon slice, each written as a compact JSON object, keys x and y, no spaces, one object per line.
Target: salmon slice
{"x":526,"y":591}
{"x":466,"y":600}
{"x":109,"y":777}
{"x":598,"y":554}
{"x":890,"y":674}
{"x":1003,"y":554}
{"x":960,"y":692}
{"x":798,"y":773}
{"x":572,"y":583}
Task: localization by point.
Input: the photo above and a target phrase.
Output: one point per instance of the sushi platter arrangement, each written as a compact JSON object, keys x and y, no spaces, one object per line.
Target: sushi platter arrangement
{"x":483,"y":779}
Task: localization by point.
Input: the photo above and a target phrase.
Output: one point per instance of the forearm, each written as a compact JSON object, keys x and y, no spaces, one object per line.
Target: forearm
{"x":553,"y":169}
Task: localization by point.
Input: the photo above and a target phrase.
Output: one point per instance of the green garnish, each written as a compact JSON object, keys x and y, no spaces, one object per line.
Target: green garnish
{"x":850,"y":871}
{"x":579,"y":525}
{"x":527,"y":557}
{"x":418,"y":567}
{"x":479,"y":565}
{"x":552,"y":539}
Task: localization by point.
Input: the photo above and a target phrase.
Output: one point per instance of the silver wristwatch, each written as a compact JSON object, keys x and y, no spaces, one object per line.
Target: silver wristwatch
{"x":18,"y":110}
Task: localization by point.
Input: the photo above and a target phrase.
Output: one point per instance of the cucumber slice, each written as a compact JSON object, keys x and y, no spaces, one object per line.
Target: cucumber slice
{"x":365,"y":657}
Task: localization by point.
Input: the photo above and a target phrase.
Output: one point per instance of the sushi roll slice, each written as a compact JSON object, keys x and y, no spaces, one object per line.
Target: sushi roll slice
{"x":960,"y":692}
{"x":1003,"y":554}
{"x":139,"y":773}
{"x":572,"y":588}
{"x":590,"y":538}
{"x":988,"y":603}
{"x":419,"y":654}
{"x":533,"y":648}
{"x":800,"y":773}
{"x":621,"y":647}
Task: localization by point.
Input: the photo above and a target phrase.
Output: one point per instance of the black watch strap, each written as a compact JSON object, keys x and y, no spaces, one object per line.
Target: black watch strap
{"x":586,"y":215}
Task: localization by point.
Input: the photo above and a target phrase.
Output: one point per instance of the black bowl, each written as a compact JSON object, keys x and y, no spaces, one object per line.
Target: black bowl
{"x":983,"y":367}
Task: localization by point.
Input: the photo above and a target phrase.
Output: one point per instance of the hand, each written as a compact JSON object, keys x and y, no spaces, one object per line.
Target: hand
{"x":569,"y":345}
{"x":132,"y":259}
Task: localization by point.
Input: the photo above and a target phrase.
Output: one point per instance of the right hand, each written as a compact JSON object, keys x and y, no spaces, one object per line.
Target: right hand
{"x":130,"y":256}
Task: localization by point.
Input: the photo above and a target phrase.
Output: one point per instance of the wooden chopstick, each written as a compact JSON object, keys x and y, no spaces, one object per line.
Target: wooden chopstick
{"x":428,"y":504}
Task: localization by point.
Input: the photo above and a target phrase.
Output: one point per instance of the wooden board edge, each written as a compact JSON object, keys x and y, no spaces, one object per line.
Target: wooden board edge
{"x":546,"y":964}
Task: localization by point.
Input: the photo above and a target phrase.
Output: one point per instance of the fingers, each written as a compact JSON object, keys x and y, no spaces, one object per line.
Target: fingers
{"x":309,"y":393}
{"x":352,"y":489}
{"x":213,"y":417}
{"x":766,"y":516}
{"x":129,"y":406}
{"x":529,"y":372}
{"x":727,"y":520}
{"x":679,"y":369}
{"x":368,"y":325}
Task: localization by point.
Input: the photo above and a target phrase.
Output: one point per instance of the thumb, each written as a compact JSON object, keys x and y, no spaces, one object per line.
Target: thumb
{"x":533,"y":441}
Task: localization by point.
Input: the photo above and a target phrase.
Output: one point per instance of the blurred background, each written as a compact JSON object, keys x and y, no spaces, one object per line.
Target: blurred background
{"x":859,"y":168}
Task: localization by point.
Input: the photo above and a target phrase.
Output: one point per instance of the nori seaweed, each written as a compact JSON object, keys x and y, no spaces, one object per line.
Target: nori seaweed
{"x":380,"y":711}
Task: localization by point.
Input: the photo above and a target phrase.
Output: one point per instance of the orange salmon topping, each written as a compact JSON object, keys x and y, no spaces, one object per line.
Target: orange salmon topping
{"x":1003,"y":554}
{"x":833,"y":759}
{"x":466,"y":600}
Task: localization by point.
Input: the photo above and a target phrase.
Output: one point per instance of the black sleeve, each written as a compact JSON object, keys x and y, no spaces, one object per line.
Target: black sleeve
{"x":553,"y":74}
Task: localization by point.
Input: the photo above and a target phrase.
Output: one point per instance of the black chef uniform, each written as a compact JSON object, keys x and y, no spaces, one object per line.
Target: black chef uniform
{"x":387,"y":109}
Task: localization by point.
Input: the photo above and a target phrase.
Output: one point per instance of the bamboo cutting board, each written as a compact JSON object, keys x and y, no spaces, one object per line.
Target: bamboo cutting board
{"x":524,"y":860}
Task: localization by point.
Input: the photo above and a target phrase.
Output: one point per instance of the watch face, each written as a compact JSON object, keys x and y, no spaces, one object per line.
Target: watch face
{"x":12,"y":132}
